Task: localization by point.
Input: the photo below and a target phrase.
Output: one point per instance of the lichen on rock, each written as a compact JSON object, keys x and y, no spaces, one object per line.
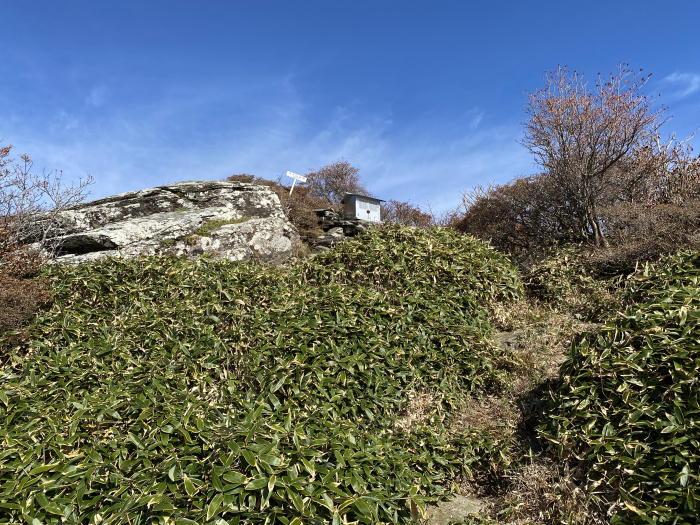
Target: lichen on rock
{"x":232,"y":220}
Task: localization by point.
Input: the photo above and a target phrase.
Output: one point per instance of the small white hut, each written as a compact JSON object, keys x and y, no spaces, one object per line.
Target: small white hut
{"x":361,"y":207}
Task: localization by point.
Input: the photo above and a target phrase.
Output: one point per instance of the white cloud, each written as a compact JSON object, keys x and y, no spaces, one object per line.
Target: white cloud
{"x":130,"y":152}
{"x":688,"y":83}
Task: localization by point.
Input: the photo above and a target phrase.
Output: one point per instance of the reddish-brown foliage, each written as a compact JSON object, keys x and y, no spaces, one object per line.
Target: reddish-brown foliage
{"x":516,"y":215}
{"x":607,"y":177}
{"x":331,"y":183}
{"x":406,"y":214}
{"x":249,"y":179}
{"x":14,"y":259}
{"x":323,"y":188}
{"x":19,"y":298}
{"x":654,"y":220}
{"x":19,"y":301}
{"x":298,"y":207}
{"x":644,"y":232}
{"x":582,"y":136}
{"x":30,"y":210}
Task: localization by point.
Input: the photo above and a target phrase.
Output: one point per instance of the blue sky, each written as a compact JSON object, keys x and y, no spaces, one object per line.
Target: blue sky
{"x":424,"y":97}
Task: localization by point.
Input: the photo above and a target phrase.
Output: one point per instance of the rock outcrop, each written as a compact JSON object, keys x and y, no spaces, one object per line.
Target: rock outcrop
{"x":232,"y":220}
{"x":337,"y":229}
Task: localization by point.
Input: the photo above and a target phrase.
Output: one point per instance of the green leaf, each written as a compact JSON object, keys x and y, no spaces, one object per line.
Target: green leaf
{"x":236,"y":478}
{"x":363,"y":507}
{"x":43,"y":468}
{"x":214,"y":505}
{"x":296,"y":499}
{"x":257,"y":484}
{"x":271,"y":460}
{"x":250,"y":458}
{"x":189,"y":486}
{"x":163,"y":506}
{"x":329,"y":502}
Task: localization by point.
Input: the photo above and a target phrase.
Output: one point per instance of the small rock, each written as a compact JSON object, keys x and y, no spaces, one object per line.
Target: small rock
{"x":458,"y":508}
{"x":508,"y":339}
{"x":335,"y":232}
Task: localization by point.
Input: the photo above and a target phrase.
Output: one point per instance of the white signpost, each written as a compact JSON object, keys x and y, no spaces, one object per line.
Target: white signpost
{"x":296,"y":178}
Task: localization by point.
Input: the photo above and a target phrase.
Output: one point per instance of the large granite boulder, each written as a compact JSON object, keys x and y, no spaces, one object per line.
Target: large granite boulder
{"x":232,"y":220}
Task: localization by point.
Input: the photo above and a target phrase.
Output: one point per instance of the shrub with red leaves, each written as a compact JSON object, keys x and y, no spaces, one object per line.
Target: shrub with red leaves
{"x":298,"y":207}
{"x":406,"y":214}
{"x":31,"y":205}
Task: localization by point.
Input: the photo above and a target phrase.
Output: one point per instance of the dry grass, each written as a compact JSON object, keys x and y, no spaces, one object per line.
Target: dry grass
{"x":540,"y":337}
{"x":548,"y":492}
{"x":491,"y":413}
{"x":543,"y":491}
{"x":422,"y":408}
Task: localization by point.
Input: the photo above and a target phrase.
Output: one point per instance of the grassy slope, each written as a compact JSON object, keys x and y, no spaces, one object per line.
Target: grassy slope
{"x":169,"y":391}
{"x":342,"y":387}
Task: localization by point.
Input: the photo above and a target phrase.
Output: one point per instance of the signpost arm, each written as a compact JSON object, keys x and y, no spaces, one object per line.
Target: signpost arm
{"x":296,"y":178}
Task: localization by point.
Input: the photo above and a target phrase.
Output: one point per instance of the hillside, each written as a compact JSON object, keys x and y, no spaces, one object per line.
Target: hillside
{"x":158,"y":389}
{"x":357,"y":386}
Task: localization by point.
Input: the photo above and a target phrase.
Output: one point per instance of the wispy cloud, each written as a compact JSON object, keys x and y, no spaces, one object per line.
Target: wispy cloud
{"x":65,"y":121}
{"x":97,"y":96}
{"x":687,"y":83}
{"x":160,"y":144}
{"x":474,"y":116}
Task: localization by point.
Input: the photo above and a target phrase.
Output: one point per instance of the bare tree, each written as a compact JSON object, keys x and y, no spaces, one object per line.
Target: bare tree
{"x":676,"y":172}
{"x":583,"y":137}
{"x":31,"y":204}
{"x":332,"y":182}
{"x":406,"y":214}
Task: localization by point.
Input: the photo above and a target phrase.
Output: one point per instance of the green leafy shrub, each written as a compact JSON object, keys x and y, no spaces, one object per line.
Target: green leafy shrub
{"x":564,"y":279}
{"x":435,"y":262}
{"x":629,"y":404}
{"x":161,"y":390}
